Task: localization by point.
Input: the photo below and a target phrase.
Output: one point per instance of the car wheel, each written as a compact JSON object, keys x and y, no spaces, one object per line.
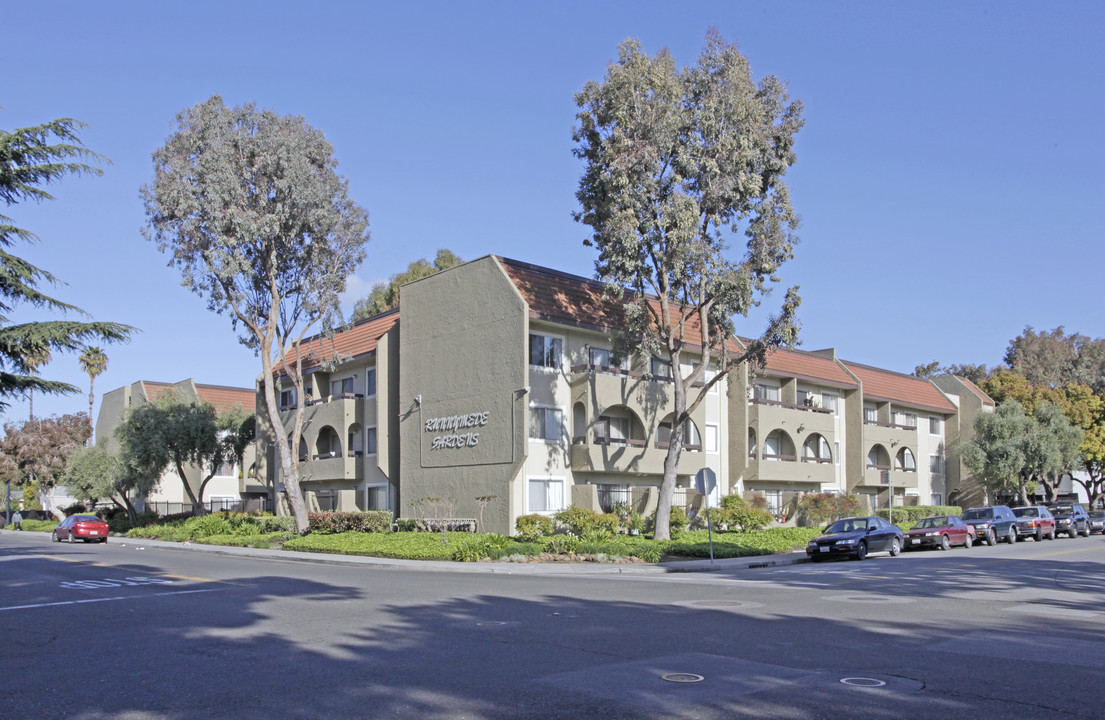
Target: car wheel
{"x":991,"y":538}
{"x":103,"y":540}
{"x":968,"y":542}
{"x":1011,"y":538}
{"x":1051,"y":535}
{"x":1072,"y":533}
{"x":54,"y":536}
{"x":71,"y":538}
{"x":1086,"y":532}
{"x":895,"y":548}
{"x":944,"y":544}
{"x":861,"y":551}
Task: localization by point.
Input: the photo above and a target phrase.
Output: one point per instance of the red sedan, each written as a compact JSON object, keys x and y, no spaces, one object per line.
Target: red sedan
{"x":941,"y":531}
{"x":81,"y":527}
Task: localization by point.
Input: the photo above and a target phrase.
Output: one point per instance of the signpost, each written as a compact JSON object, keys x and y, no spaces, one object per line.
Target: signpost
{"x":704,"y":482}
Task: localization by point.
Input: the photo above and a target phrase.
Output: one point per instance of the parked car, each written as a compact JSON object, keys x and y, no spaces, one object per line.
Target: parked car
{"x":1097,"y":522}
{"x":992,"y":523}
{"x":939,"y":531}
{"x":1035,"y":521}
{"x":856,"y":537}
{"x":1071,"y":519}
{"x":81,"y":527}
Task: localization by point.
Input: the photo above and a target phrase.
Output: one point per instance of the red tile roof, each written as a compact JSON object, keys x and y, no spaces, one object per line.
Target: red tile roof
{"x":222,"y":397}
{"x":358,"y":340}
{"x":800,"y":364}
{"x":900,"y":388}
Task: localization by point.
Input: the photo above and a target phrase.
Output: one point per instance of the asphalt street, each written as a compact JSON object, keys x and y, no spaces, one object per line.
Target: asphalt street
{"x":133,"y":630}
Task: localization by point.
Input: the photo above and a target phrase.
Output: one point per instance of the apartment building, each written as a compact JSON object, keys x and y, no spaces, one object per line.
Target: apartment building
{"x":232,"y":487}
{"x":494,"y":387}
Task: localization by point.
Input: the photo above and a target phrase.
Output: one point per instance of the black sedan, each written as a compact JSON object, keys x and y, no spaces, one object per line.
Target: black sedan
{"x":856,"y":537}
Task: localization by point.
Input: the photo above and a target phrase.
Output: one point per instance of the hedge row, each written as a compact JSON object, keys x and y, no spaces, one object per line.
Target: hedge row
{"x":378,"y":521}
{"x":916,"y":512}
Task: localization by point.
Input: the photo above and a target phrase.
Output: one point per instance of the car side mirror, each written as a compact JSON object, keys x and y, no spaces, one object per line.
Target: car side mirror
{"x":872,"y":528}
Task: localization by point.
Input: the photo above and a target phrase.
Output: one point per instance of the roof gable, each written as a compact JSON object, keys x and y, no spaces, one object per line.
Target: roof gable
{"x":900,"y":388}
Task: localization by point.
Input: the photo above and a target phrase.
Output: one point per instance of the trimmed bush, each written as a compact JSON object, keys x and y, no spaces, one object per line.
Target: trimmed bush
{"x":337,"y":522}
{"x":817,"y":509}
{"x":916,"y":512}
{"x":739,"y":515}
{"x":533,"y":527}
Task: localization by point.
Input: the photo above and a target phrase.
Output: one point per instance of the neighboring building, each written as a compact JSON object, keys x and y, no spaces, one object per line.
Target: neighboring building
{"x":970,"y":401}
{"x":496,"y":378}
{"x":231,"y":488}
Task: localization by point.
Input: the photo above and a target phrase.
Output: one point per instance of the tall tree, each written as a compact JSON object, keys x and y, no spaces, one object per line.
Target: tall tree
{"x":385,"y":296}
{"x":250,"y":207}
{"x":30,"y":158}
{"x":996,"y":454}
{"x":94,"y":473}
{"x":679,"y":162}
{"x":1053,"y":358}
{"x":40,"y":449}
{"x":1052,"y":450}
{"x":183,"y":436}
{"x":93,"y":362}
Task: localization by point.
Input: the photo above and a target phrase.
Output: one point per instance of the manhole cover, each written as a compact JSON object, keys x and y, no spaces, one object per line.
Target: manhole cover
{"x":489,"y":624}
{"x":862,"y":682}
{"x":682,"y":678}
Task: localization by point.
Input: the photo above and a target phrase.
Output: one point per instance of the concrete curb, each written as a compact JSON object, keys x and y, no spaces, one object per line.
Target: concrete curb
{"x":503,"y":568}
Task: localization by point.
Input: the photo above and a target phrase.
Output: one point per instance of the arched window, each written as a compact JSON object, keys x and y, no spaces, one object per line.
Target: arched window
{"x":779,"y":446}
{"x":816,"y":449}
{"x":752,"y":443}
{"x":878,"y":458}
{"x":905,"y":461}
{"x":355,"y":440}
{"x":692,"y":440}
{"x":329,"y":444}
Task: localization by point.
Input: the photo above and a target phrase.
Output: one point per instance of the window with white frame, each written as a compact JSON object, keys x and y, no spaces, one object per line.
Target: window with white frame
{"x":935,"y":425}
{"x":546,"y":424}
{"x":545,"y":495}
{"x":370,"y":441}
{"x":828,"y":402}
{"x":870,"y":414}
{"x":545,"y":351}
{"x":370,"y":382}
{"x":691,"y":440}
{"x":612,"y":429}
{"x":710,"y":439}
{"x":936,"y":466}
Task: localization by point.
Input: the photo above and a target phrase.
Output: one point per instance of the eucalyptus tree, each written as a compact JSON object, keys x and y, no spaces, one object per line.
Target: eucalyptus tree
{"x":249,"y":206}
{"x":93,"y":361}
{"x":385,"y":296}
{"x":30,"y":158}
{"x":679,"y":163}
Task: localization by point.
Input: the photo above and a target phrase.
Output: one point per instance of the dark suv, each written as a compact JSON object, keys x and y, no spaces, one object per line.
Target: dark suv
{"x":992,"y":523}
{"x":1071,"y":519}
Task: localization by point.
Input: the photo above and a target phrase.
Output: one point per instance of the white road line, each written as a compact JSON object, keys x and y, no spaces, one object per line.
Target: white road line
{"x":109,"y":599}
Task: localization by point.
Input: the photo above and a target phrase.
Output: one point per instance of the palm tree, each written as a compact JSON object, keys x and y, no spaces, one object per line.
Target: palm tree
{"x":35,"y":359}
{"x":93,"y":361}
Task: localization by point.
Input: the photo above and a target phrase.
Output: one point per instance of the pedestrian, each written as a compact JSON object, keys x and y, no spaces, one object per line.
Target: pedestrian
{"x":17,"y":520}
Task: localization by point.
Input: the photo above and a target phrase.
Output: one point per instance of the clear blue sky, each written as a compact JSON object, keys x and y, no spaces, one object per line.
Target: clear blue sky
{"x":949,"y":176}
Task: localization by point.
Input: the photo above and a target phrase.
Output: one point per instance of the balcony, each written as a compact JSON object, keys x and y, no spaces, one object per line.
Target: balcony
{"x":872,"y":477}
{"x":337,"y":411}
{"x":887,"y":434}
{"x":631,"y":456}
{"x":766,"y":415}
{"x":349,"y":466}
{"x":791,"y":468}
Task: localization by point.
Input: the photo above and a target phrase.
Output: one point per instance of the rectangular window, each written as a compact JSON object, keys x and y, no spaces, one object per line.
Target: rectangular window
{"x":545,"y":351}
{"x":546,"y":424}
{"x":370,"y":382}
{"x":870,"y":414}
{"x":602,"y":358}
{"x":934,"y":426}
{"x":767,"y":392}
{"x":370,"y":441}
{"x":711,"y":438}
{"x":660,"y":368}
{"x":546,"y":495}
{"x":341,"y":387}
{"x":936,"y":465}
{"x":287,"y":398}
{"x":828,"y":401}
{"x":376,"y":497}
{"x":908,"y":419}
{"x":612,"y":429}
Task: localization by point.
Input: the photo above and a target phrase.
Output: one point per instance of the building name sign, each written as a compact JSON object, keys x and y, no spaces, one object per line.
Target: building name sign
{"x":451,"y":424}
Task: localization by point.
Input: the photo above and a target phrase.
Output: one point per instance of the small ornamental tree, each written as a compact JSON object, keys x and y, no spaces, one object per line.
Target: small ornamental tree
{"x":39,"y":450}
{"x":679,"y":164}
{"x":249,"y":206}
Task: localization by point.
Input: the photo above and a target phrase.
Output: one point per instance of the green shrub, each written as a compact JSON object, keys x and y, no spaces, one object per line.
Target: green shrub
{"x":738,"y":514}
{"x":272,"y":524}
{"x":817,"y":509}
{"x":36,"y":525}
{"x":533,"y":527}
{"x":577,"y":520}
{"x":609,"y":522}
{"x":560,"y":544}
{"x":677,"y":522}
{"x":336,"y":522}
{"x":916,"y":512}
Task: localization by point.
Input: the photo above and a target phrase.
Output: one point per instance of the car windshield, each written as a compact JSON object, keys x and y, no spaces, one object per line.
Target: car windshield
{"x":1062,"y":510}
{"x":978,"y":514}
{"x":848,"y":525}
{"x":1026,"y":512}
{"x":931,"y":522}
{"x":1098,"y":514}
{"x":85,"y":518}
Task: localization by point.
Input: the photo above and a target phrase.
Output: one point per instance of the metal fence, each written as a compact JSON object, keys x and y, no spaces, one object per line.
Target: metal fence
{"x":251,"y":505}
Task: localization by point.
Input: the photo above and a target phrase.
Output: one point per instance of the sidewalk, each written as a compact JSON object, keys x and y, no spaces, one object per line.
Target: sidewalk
{"x":506,"y":568}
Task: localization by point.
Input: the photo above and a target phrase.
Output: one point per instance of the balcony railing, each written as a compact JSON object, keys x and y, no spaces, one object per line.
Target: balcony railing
{"x":785,"y":458}
{"x":664,"y":445}
{"x":876,"y":423}
{"x":791,"y":406}
{"x":817,"y":460}
{"x":329,"y":398}
{"x":631,"y":442}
